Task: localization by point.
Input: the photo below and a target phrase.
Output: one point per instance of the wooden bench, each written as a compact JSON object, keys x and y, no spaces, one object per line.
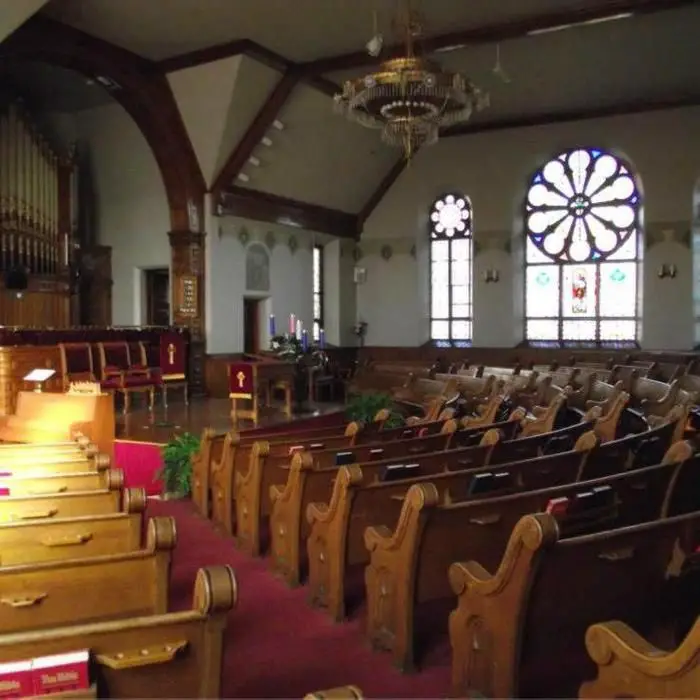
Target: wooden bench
{"x":629,"y":666}
{"x":18,"y":484}
{"x":253,"y":496}
{"x":55,"y":464}
{"x":74,"y":591}
{"x":344,"y":692}
{"x":34,"y":541}
{"x":59,"y":505}
{"x":173,"y":655}
{"x":335,"y":543}
{"x":408,"y":566}
{"x":519,"y":632}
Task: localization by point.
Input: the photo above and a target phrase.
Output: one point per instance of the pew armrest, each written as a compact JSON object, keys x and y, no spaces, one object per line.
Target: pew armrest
{"x":609,"y":640}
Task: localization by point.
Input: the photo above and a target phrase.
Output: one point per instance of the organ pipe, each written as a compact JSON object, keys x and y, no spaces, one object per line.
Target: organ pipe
{"x":36,"y":196}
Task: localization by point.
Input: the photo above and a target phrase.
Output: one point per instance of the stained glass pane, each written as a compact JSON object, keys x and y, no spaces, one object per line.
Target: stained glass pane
{"x":542,"y":330}
{"x":440,"y":330}
{"x":533,"y":254}
{"x":578,"y":330}
{"x":618,"y":330}
{"x":542,"y":291}
{"x":461,"y":330}
{"x":451,"y":268}
{"x":579,"y":290}
{"x":618,"y":289}
{"x":316,"y":332}
{"x":317,"y":306}
{"x":627,"y":251}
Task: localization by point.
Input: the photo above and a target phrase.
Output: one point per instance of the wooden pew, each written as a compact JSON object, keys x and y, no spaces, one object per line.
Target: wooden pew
{"x":335,"y":544}
{"x":73,"y":591}
{"x":56,"y":464}
{"x":629,"y":666}
{"x":519,"y":632}
{"x":34,"y":541}
{"x":253,"y":496}
{"x":408,"y":566}
{"x":59,"y":505}
{"x":237,"y":458}
{"x":212,"y":445}
{"x":18,"y":484}
{"x":171,"y":655}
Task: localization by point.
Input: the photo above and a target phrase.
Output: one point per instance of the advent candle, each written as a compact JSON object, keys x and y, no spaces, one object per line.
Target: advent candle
{"x":322,"y":339}
{"x":292,"y":324}
{"x":272,"y":325}
{"x":305,"y":340}
{"x":298,"y":329}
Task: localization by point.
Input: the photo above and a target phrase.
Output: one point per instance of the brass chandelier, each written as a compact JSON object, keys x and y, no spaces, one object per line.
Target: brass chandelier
{"x":410,"y":98}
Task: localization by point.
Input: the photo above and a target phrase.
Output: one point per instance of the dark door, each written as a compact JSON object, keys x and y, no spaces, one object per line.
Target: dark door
{"x":250,"y":326}
{"x":158,"y":297}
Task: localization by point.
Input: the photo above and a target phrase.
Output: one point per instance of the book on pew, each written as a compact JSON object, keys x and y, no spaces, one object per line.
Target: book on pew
{"x":396,"y":472}
{"x":489,"y":481}
{"x":316,"y":446}
{"x":343,"y":458}
{"x":16,"y":680}
{"x":294,"y":449}
{"x":376,"y":453}
{"x":557,"y":506}
{"x":60,"y":673}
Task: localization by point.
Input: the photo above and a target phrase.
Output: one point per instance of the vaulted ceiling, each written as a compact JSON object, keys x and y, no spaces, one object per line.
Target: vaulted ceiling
{"x":255,"y":62}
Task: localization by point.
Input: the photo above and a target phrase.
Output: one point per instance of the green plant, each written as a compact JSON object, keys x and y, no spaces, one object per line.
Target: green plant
{"x":364,"y":407}
{"x":176,"y":472}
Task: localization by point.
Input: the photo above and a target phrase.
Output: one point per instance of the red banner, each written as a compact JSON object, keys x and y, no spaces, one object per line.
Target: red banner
{"x":241,"y":380}
{"x":173,"y":356}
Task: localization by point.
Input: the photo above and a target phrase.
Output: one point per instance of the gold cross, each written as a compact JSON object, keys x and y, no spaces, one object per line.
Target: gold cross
{"x":171,"y":354}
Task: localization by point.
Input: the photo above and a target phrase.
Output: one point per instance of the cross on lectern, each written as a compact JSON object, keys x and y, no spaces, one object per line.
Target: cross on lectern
{"x":171,"y":354}
{"x":241,"y":379}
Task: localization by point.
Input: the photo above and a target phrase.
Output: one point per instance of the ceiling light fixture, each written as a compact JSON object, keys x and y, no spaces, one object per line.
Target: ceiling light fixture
{"x":266,"y":141}
{"x":254,"y":161}
{"x":409,"y":97}
{"x":243,"y":177}
{"x":278,"y":125}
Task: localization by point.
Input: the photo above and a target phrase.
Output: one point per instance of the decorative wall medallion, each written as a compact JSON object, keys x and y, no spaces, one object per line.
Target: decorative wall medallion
{"x":413,"y":251}
{"x":386,"y":252}
{"x":243,"y":235}
{"x":476,"y":247}
{"x":193,"y":215}
{"x":257,"y":269}
{"x":508,"y":245}
{"x":270,"y":240}
{"x":357,"y":253}
{"x":293,"y":244}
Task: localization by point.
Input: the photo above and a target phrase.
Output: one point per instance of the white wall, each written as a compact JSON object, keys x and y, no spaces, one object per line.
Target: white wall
{"x":291,"y":290}
{"x":131,"y":209}
{"x":493,"y":170}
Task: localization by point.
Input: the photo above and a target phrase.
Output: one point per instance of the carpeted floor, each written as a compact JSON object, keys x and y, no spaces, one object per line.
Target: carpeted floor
{"x":276,"y":645}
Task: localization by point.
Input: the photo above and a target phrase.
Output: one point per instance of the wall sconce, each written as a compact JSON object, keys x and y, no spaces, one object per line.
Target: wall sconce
{"x":667,"y":271}
{"x":491,"y":275}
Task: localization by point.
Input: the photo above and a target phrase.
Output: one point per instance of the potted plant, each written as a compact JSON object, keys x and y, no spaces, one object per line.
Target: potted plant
{"x":364,"y":407}
{"x":176,"y":472}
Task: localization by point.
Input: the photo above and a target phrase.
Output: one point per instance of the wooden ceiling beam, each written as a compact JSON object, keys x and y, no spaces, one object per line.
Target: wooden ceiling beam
{"x":262,"y":122}
{"x":380,"y":192}
{"x":261,"y":206}
{"x":500,"y":31}
{"x":550,"y":118}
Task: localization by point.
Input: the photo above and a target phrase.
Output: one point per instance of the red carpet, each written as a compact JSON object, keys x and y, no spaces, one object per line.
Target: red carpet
{"x":276,"y":645}
{"x":140,"y":462}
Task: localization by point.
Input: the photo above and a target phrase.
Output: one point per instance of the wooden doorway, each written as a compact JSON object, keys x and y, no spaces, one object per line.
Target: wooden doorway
{"x":158,"y":297}
{"x":251,"y":325}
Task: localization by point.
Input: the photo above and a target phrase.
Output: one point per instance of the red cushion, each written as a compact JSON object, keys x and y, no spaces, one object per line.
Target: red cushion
{"x":137,"y":380}
{"x":113,"y":383}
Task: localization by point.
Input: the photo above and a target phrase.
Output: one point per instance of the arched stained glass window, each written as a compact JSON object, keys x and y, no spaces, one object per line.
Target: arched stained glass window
{"x":583,"y":216}
{"x":451,"y":269}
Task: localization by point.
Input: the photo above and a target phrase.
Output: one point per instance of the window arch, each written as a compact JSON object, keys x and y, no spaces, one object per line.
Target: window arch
{"x":451,"y":269}
{"x":583,"y":217}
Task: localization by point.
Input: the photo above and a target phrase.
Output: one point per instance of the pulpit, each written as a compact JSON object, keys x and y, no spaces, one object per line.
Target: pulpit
{"x":252,"y":383}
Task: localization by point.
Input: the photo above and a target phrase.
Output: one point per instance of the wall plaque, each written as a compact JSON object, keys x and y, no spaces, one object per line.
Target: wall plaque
{"x":187,"y":296}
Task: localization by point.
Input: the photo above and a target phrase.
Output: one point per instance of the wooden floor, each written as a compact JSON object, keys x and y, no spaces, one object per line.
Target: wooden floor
{"x":142,"y":425}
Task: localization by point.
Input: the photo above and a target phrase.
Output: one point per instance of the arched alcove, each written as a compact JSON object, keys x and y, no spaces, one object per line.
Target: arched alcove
{"x":257,"y":269}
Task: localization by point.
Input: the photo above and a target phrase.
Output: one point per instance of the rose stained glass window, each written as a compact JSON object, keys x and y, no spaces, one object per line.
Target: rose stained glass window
{"x":451,"y":269}
{"x":583,"y":232}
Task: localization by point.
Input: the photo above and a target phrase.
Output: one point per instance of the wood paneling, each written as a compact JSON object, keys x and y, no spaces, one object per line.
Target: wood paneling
{"x":46,"y":303}
{"x":18,"y":362}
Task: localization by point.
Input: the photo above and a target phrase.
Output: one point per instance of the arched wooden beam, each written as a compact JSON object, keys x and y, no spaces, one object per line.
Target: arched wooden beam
{"x":142,"y":90}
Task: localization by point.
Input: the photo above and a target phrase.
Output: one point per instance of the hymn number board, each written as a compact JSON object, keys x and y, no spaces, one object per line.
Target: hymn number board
{"x":187,"y":303}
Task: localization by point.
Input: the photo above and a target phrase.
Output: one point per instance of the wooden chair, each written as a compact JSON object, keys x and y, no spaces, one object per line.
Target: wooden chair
{"x":150,"y":358}
{"x":77,"y":363}
{"x":117,"y":373}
